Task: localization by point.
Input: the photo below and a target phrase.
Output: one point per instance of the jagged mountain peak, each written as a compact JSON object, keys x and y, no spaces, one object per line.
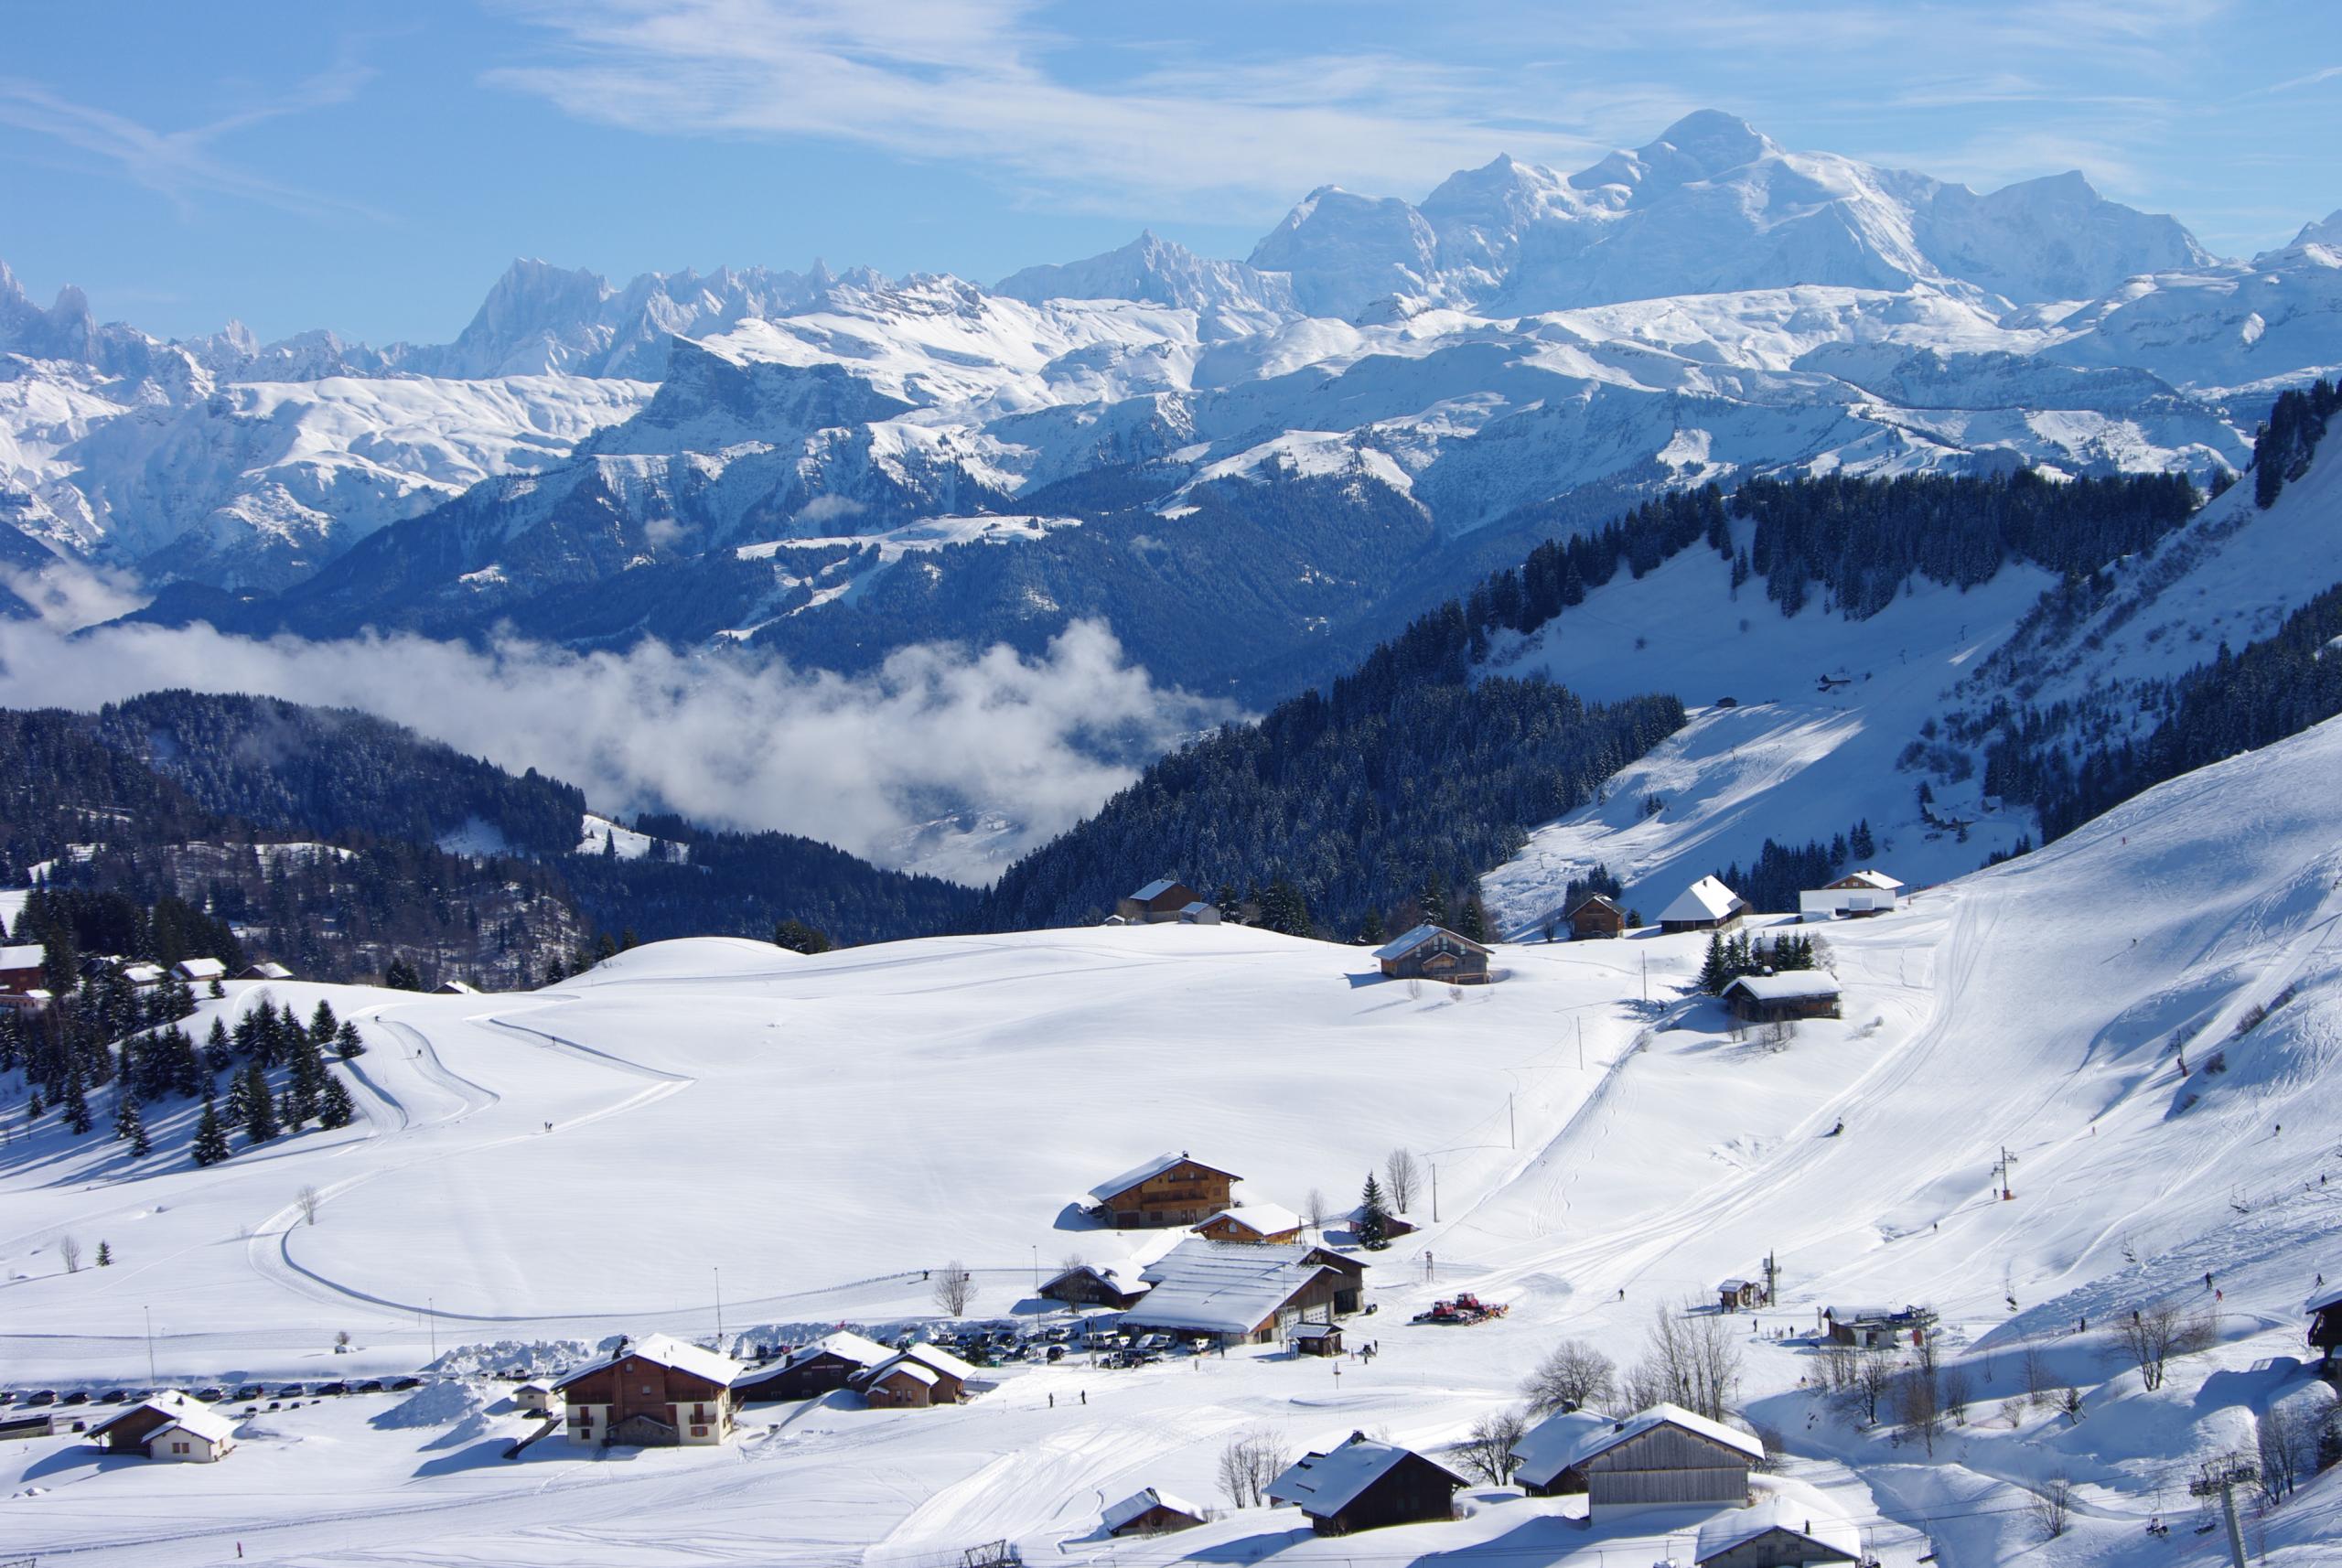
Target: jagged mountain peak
{"x":1156,"y":271}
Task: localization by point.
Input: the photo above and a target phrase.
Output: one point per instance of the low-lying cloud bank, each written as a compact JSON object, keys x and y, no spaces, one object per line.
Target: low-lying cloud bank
{"x":943,"y":759}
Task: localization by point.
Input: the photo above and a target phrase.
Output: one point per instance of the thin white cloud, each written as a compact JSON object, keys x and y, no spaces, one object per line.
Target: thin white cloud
{"x":2294,"y":84}
{"x":182,"y":165}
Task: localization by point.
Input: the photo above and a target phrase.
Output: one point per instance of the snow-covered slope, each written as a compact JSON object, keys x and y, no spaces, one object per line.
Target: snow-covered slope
{"x":822,"y":1130}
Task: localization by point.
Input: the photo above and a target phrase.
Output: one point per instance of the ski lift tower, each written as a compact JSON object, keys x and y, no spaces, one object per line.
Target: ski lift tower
{"x":2001,"y":1173}
{"x":2221,"y":1478}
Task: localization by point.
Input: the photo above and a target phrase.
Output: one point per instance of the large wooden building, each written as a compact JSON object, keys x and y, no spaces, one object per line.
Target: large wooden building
{"x":21,"y":970}
{"x":1169,"y":1189}
{"x":1236,"y":1293}
{"x":1777,"y":998}
{"x":914,"y":1379}
{"x":1160,"y":902}
{"x":1434,"y":953}
{"x":2324,"y":1309}
{"x":657,"y":1393}
{"x":811,"y":1371}
{"x":1666,"y":1456}
{"x":171,"y":1427}
{"x":1597,"y":915}
{"x":1366,"y":1485}
{"x":1706,"y":906}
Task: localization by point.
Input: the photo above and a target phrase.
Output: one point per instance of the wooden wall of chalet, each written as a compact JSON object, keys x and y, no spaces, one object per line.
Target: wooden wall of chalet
{"x":1777,"y":1549}
{"x":1667,"y":1467}
{"x":1749,"y":1009}
{"x":1589,"y":920}
{"x":1186,"y":1194}
{"x":1409,"y":1492}
{"x":1432,"y":959}
{"x":1087,"y":1289}
{"x":815,"y":1375}
{"x":1156,"y":1520}
{"x":635,"y":1387}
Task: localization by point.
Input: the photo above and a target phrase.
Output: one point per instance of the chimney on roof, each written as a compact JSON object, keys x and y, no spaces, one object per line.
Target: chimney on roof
{"x":1617,"y":1426}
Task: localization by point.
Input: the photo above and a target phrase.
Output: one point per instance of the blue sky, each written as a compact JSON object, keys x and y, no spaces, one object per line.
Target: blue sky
{"x":372,"y":166}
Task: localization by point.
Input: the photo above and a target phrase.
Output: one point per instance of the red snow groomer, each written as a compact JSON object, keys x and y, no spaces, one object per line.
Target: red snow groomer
{"x":1467,"y":1308}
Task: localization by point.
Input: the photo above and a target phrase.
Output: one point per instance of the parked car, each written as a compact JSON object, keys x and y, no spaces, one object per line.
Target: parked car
{"x":335,"y":1389}
{"x":400,"y":1385}
{"x":1057,"y":1352}
{"x":369,"y":1386}
{"x":7,"y":1396}
{"x":211,"y":1395}
{"x":291,"y":1391}
{"x":79,"y":1396}
{"x":113,"y":1396}
{"x":250,"y":1391}
{"x":1155,"y":1341}
{"x":41,"y":1396}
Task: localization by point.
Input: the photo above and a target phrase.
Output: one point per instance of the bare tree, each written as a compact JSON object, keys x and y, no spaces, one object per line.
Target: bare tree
{"x":307,"y":1199}
{"x":955,"y":1288}
{"x":1071,"y":1262}
{"x":2068,"y":1401}
{"x":1572,"y":1376}
{"x":69,"y":1249}
{"x":1837,"y":1365}
{"x":1488,"y":1453}
{"x":1316,"y":1209}
{"x":2288,"y":1445}
{"x":1874,"y":1376}
{"x":2036,"y":1367}
{"x":1954,"y":1390}
{"x":1401,"y":1174}
{"x":1694,"y":1362}
{"x":1917,"y":1403}
{"x":1250,"y":1462}
{"x":2053,"y":1507}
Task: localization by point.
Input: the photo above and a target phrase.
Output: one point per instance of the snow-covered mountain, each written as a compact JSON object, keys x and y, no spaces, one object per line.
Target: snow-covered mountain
{"x":1705,"y":306}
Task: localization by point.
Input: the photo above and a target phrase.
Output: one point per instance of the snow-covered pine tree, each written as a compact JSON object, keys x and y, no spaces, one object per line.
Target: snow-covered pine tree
{"x":323,"y":1024}
{"x":347,"y":1042}
{"x":334,"y":1107}
{"x":260,"y":1113}
{"x":77,"y":1103}
{"x":1373,"y":1215}
{"x":210,"y":1137}
{"x":1714,"y":974}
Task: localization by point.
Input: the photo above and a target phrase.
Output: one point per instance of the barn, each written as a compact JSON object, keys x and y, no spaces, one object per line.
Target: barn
{"x":1349,"y":1272}
{"x":1169,"y":1189}
{"x":1199,"y":913}
{"x":199,"y":971}
{"x":1666,"y":1456}
{"x":263,"y":971}
{"x":1242,"y":1294}
{"x":20,"y":969}
{"x":1596,"y":916}
{"x":1158,"y":903}
{"x":1365,"y":1485}
{"x":1434,"y":953}
{"x":1776,"y":998}
{"x":170,"y":1426}
{"x":1853,"y":896}
{"x":1706,"y":906}
{"x":823,"y":1366}
{"x":1152,"y":1511}
{"x":1779,"y":1532}
{"x":658,"y":1393}
{"x":915,"y":1379}
{"x":1094,"y":1284}
{"x":1254,"y":1223}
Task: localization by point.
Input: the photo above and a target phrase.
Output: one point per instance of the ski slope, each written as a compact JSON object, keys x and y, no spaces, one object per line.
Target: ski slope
{"x":822,"y":1129}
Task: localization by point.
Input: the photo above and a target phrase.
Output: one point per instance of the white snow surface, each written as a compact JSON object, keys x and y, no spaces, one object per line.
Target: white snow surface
{"x":825,"y":1128}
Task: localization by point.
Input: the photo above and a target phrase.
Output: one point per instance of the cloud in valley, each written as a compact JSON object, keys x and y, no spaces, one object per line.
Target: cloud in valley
{"x":863,"y":762}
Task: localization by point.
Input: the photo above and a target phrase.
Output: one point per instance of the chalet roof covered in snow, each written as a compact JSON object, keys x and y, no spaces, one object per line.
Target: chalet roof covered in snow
{"x":1227,"y":1290}
{"x":667,"y":1351}
{"x":1790,"y":985}
{"x":936,"y":1357}
{"x":170,"y":1402}
{"x":1597,"y":901}
{"x":1156,"y":888}
{"x":1804,"y":1514}
{"x":1564,"y":1441}
{"x":1328,"y":1483}
{"x":1867,"y":878}
{"x":1146,"y":1171}
{"x":23,"y":956}
{"x":268,"y":972}
{"x":1864,"y":1313}
{"x":202,"y":969}
{"x":1139,"y":1502}
{"x":1194,"y":1247}
{"x":902,"y":1367}
{"x":201,"y":1420}
{"x":1706,"y":899}
{"x":1406,"y":942}
{"x":142,"y":973}
{"x":1268,"y":1219}
{"x":845,"y":1344}
{"x":2324,"y":1297}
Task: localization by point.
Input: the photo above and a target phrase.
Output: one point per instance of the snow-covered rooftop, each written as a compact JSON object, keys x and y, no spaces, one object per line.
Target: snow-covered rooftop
{"x":902,"y":1367}
{"x":2324,"y":1297}
{"x":202,"y":1422}
{"x":1156,"y":888}
{"x":1267,"y":1219}
{"x":1868,"y":878}
{"x":1408,"y":941}
{"x":1788,"y":986}
{"x":667,"y":1351}
{"x":941,"y":1360}
{"x":1139,"y":1502}
{"x":201,"y":969}
{"x":1706,"y":899}
{"x":1222,"y":1290}
{"x":845,"y":1343}
{"x":1144,"y":1171}
{"x":23,"y":956}
{"x":1805,"y":1514}
{"x":1327,"y":1483}
{"x":1564,"y":1441}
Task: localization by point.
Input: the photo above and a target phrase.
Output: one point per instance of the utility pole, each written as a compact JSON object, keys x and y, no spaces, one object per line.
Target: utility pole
{"x":1434,"y":1192}
{"x":2224,"y":1475}
{"x":719,"y":1309}
{"x":1646,"y":976}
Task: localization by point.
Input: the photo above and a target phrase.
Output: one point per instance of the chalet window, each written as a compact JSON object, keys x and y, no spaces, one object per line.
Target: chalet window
{"x":179,"y":1447}
{"x":699,"y":1413}
{"x":699,"y":1432}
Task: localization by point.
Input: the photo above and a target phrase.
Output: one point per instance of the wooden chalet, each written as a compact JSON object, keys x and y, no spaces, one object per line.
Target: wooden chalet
{"x":21,"y":970}
{"x":657,"y":1393}
{"x":1365,"y":1485}
{"x":1089,"y":1284}
{"x":915,"y":1379}
{"x":826,"y":1365}
{"x":1597,"y":915}
{"x":1434,"y":953}
{"x":1776,"y":998}
{"x":171,"y":1427}
{"x":263,"y":971}
{"x":1349,"y":1271}
{"x":2324,"y":1309}
{"x":1779,"y":1532}
{"x":1876,"y":1327}
{"x":1169,"y":1189}
{"x":1254,"y":1223}
{"x":1235,"y":1295}
{"x":1160,"y":902}
{"x":199,"y":971}
{"x":1152,"y":1511}
{"x":1706,"y":906}
{"x":1666,"y":1456}
{"x":1852,"y":896}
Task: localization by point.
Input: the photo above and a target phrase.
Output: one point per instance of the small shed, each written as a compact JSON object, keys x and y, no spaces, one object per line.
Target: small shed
{"x":199,"y":971}
{"x":537,"y":1397}
{"x":1791,"y":994}
{"x":1365,"y":1485}
{"x":1706,"y":906}
{"x":263,"y":971}
{"x":1152,"y":1511}
{"x":1158,"y":903}
{"x":1869,"y":1328}
{"x":1739,"y":1295}
{"x":1317,"y":1339}
{"x":1199,"y":913}
{"x":1254,"y":1223}
{"x":2324,"y":1309}
{"x":1596,"y":916}
{"x":1434,"y":953}
{"x":1665,"y":1456}
{"x":823,"y":1366}
{"x":1779,"y":1532}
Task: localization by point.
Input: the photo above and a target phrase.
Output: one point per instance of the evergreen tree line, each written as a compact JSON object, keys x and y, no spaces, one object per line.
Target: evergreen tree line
{"x":2282,"y":447}
{"x":1782,"y":872}
{"x":2239,"y":702}
{"x":1729,"y":957}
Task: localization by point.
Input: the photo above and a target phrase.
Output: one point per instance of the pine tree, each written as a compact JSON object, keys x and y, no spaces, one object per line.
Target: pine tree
{"x":1371,"y":932}
{"x":35,"y":1109}
{"x":259,"y":1115}
{"x":1434,"y":899}
{"x":323,"y":1024}
{"x":291,"y":1114}
{"x":346,"y":1043}
{"x":334,"y":1109}
{"x":77,"y":1104}
{"x":1714,"y":976}
{"x":210,"y":1137}
{"x":402,"y":976}
{"x":218,"y":990}
{"x":105,"y":1254}
{"x":1373,"y":1215}
{"x":126,"y":1111}
{"x":1861,"y":842}
{"x":1472,"y":920}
